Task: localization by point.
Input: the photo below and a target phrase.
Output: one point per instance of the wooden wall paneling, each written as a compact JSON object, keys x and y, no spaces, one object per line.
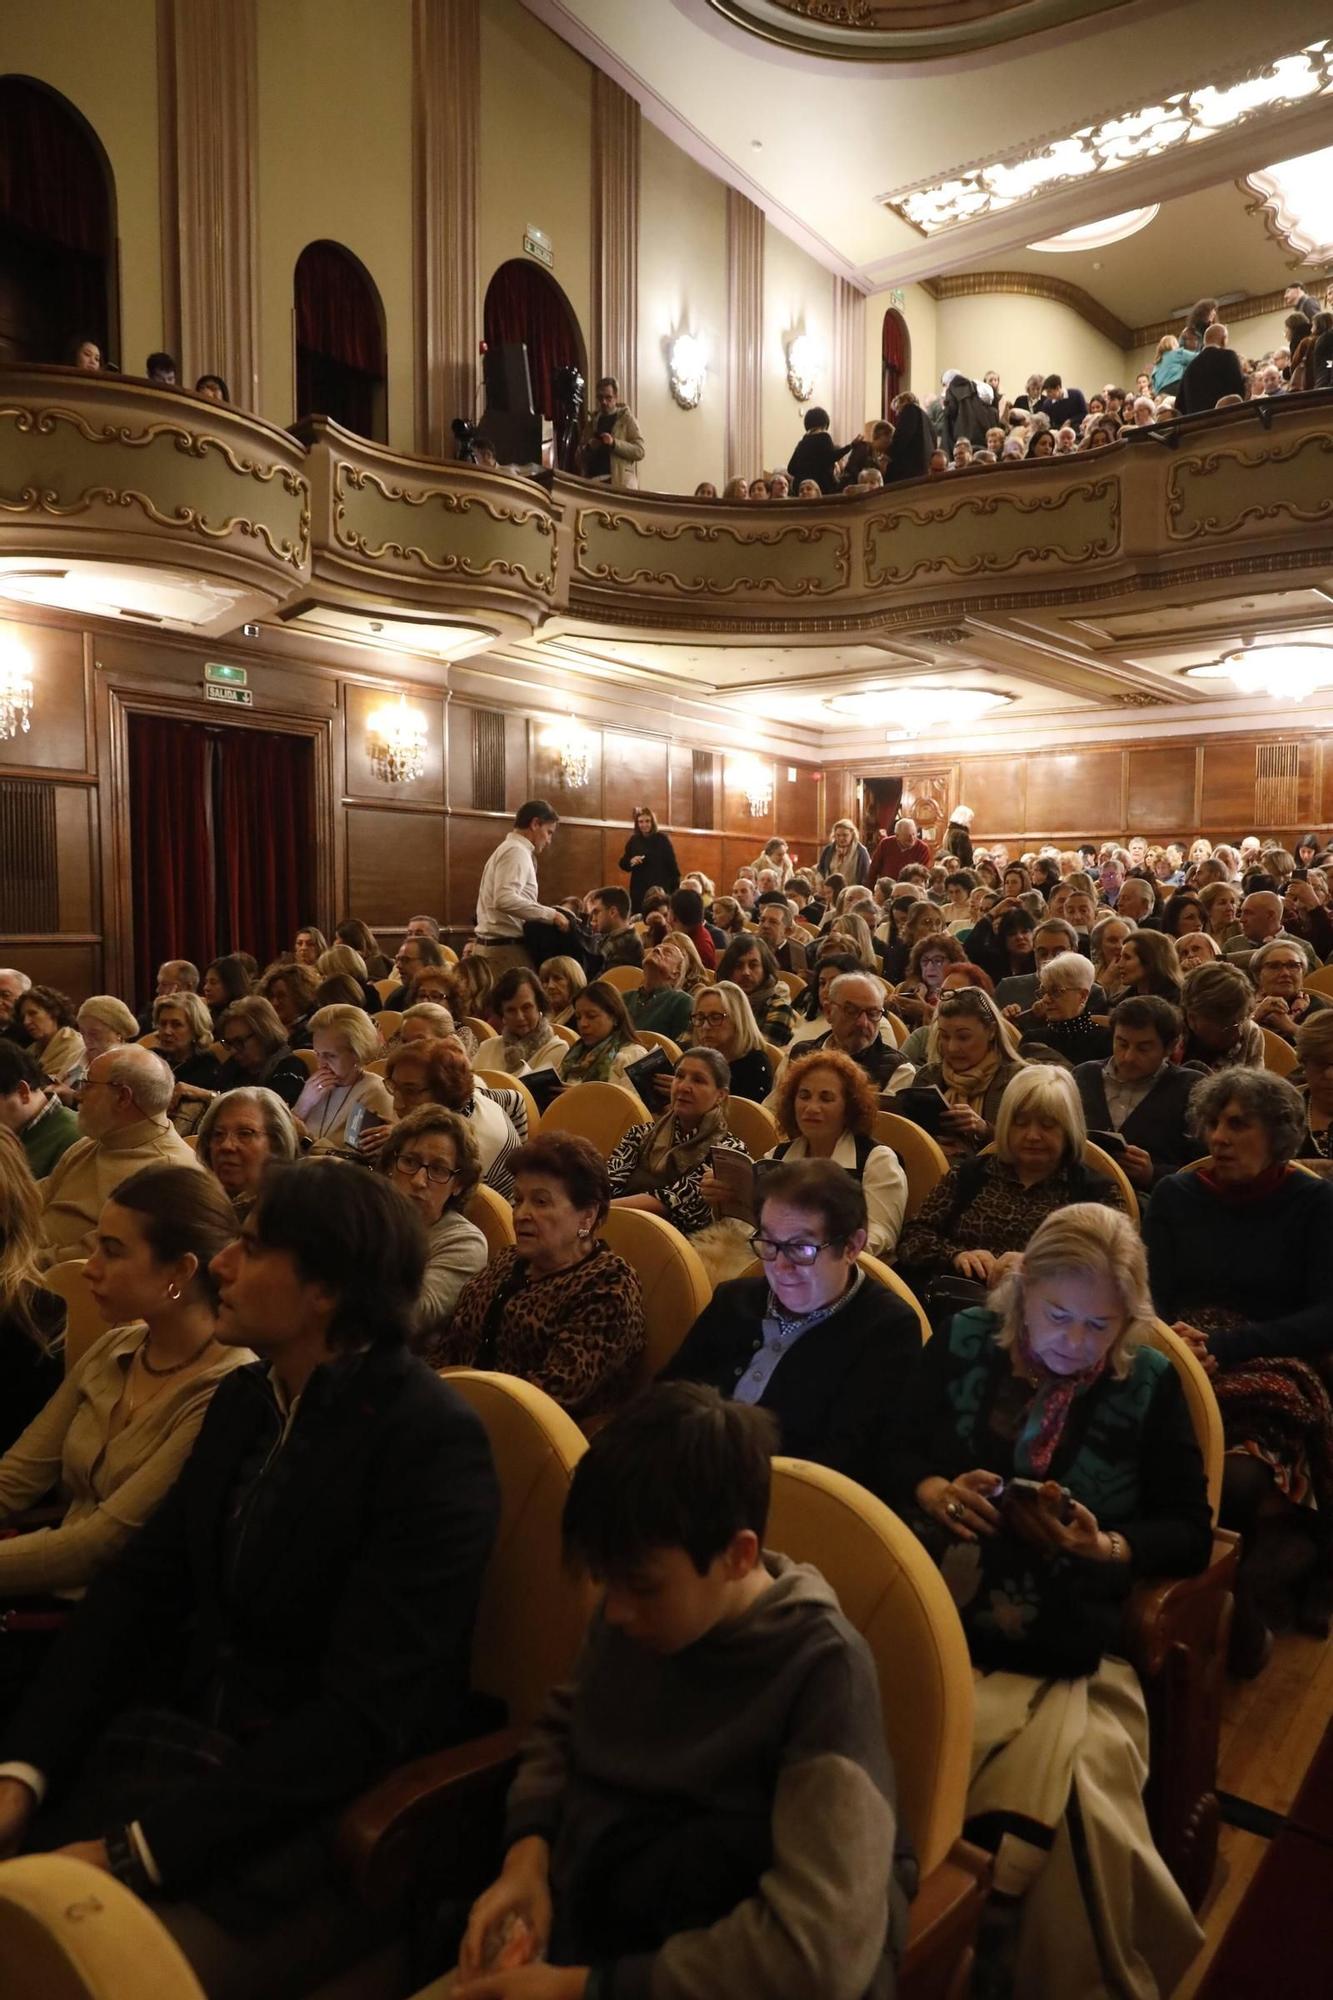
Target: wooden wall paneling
{"x":570,"y":864}
{"x":472,"y":838}
{"x":548,"y":782}
{"x":76,"y":858}
{"x":634,"y":772}
{"x":1159,"y":798}
{"x":58,"y":738}
{"x":996,"y":790}
{"x":1074,"y":791}
{"x":736,"y":816}
{"x":395,"y":864}
{"x":702,"y":851}
{"x":518,"y":772}
{"x":458,"y":754}
{"x":73,"y":965}
{"x":1227,"y":803}
{"x":361,"y":705}
{"x":677,"y":808}
{"x":839,"y":801}
{"x":797,"y":803}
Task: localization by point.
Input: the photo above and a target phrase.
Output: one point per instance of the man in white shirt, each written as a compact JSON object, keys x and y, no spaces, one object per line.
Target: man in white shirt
{"x":507,"y":896}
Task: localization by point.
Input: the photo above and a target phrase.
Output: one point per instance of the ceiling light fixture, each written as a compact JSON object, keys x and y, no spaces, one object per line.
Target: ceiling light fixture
{"x":1298,"y":195}
{"x":1181,"y":119}
{"x":1099,"y":235}
{"x":914,"y":707}
{"x":15,"y":688}
{"x":1279,"y":673}
{"x":573,"y":751}
{"x":396,"y":744}
{"x":687,"y":368}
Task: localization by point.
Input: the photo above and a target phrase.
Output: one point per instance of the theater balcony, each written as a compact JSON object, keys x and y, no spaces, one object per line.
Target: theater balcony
{"x":119,"y":498}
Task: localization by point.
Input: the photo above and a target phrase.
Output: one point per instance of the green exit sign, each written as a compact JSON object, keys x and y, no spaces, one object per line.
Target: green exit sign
{"x":224,"y":676}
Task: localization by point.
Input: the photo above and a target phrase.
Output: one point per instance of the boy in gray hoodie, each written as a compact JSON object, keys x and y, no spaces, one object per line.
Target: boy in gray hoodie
{"x":707,"y":1808}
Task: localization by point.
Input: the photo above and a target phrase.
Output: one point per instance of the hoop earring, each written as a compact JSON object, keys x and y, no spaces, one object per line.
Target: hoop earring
{"x":173,"y":1293}
{"x":585,"y":1232}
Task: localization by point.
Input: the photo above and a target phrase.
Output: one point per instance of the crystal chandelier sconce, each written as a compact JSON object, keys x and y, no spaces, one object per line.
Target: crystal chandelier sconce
{"x":396,"y":743}
{"x":573,"y":752}
{"x":802,"y":366}
{"x":756,"y":781}
{"x":687,"y":364}
{"x":15,"y":689}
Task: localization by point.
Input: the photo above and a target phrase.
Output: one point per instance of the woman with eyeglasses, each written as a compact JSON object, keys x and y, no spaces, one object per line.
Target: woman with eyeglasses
{"x":432,"y":1159}
{"x":811,"y":1337}
{"x":724,"y":1020}
{"x":257,"y":1053}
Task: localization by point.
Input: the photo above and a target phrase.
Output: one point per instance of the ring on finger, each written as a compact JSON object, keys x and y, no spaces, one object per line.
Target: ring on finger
{"x":954,"y":1510}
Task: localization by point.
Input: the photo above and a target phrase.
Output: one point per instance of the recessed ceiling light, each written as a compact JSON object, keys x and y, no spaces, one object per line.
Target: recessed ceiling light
{"x":1298,"y":194}
{"x":909,"y":708}
{"x":1280,"y":673}
{"x":1097,"y":235}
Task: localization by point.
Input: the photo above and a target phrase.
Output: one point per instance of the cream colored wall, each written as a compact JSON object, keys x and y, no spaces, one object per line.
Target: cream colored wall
{"x":682,"y":288}
{"x":1022,"y":337}
{"x":335,"y":160}
{"x":536,"y":153}
{"x":919,"y":310}
{"x":112,"y":79}
{"x":798,"y":296}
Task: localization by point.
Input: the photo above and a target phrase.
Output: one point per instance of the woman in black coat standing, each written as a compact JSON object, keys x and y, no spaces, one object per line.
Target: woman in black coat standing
{"x":649,"y":859}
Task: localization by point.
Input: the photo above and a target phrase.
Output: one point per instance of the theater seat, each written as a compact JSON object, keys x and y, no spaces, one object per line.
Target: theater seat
{"x":671,"y":1277}
{"x":387,"y":1023}
{"x":1176,"y":1633}
{"x":894,"y":1595}
{"x":69,"y":1931}
{"x":922,"y":1158}
{"x":625,"y":978}
{"x":84,"y":1323}
{"x":493,"y":1217}
{"x":446,"y":1809}
{"x":648,"y":1038}
{"x":1279,"y":1055}
{"x":601,"y":1112}
{"x":755,"y":1127}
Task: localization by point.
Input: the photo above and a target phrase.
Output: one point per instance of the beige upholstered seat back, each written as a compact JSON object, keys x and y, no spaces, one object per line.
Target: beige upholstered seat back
{"x":532,"y":1614}
{"x":755,"y":1127}
{"x":1205,"y":1415}
{"x":493,"y":1217}
{"x":922,"y":1158}
{"x":70,"y":1932}
{"x":625,"y":978}
{"x":602,"y":1112}
{"x":500,"y":1079}
{"x":891,"y":1591}
{"x":671,"y":1277}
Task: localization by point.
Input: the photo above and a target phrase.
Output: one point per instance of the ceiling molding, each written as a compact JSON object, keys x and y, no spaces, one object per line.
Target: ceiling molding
{"x":1033,"y":285}
{"x":892,"y":31}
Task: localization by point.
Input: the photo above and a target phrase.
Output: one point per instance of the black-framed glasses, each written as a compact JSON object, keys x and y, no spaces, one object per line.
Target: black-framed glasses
{"x":795,"y":1249}
{"x":861,"y":1013}
{"x":409,"y":1165}
{"x":238,"y":1044}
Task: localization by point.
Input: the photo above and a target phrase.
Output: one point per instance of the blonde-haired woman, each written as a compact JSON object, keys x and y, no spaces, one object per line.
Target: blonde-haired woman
{"x":31,"y":1318}
{"x":846,"y":853}
{"x":341,"y":1098}
{"x":1043,"y":1451}
{"x":697,"y":974}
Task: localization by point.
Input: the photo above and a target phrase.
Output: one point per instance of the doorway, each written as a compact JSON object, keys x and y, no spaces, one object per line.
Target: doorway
{"x":222,"y":841}
{"x":881,"y":799}
{"x":896,"y":357}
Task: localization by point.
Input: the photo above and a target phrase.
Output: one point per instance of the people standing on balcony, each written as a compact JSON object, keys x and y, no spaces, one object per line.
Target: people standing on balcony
{"x":160,"y":368}
{"x":1214,"y":373}
{"x":1061,"y":405}
{"x":614,"y":444}
{"x":816,"y":455}
{"x":965,"y":410}
{"x":912,"y":443}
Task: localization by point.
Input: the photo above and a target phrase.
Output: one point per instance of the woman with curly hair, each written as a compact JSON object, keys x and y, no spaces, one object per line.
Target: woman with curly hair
{"x":826,"y":1107}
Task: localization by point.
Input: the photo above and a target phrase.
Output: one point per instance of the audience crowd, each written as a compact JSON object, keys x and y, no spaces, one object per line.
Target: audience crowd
{"x":1047,"y":1104}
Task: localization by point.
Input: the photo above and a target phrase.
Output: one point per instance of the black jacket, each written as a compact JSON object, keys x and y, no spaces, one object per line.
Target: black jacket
{"x":659,"y":868}
{"x":1157,"y":1122}
{"x":831,"y":1393}
{"x":1213,"y":373}
{"x":814,"y":458}
{"x":315,"y":1597}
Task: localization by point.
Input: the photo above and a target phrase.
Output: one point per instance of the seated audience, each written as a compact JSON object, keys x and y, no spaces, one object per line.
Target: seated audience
{"x":1195,"y":948}
{"x":1314,"y":1051}
{"x":120,"y":1426}
{"x":917,"y":994}
{"x":291,"y":991}
{"x":813,"y":1339}
{"x":777,"y":928}
{"x":467,"y":988}
{"x":257,"y":1053}
{"x":1277,"y":971}
{"x":301,"y":1603}
{"x":1140,"y":1093}
{"x":1217,"y":1001}
{"x":427,"y":1072}
{"x":1003,"y":946}
{"x":782,"y":1871}
{"x":979,"y":1220}
{"x":749,"y":963}
{"x":1062,"y":1016}
{"x":105,"y":1023}
{"x":724,"y":1021}
{"x":687,"y":917}
{"x":858,"y":1026}
{"x":666,"y":1167}
{"x":969,"y":1061}
{"x":341,"y":1097}
{"x":416,"y":955}
{"x":48,"y":1019}
{"x":1106,"y":941}
{"x":363,"y":941}
{"x":123,"y":1120}
{"x":1221,"y":903}
{"x":340,"y":962}
{"x":526,"y":1041}
{"x":956,"y":975}
{"x":241,"y":1136}
{"x":228,"y":979}
{"x":44,"y":1127}
{"x":431,"y":1158}
{"x":825,"y":1108}
{"x":606,"y":1046}
{"x":1305,"y":915}
{"x":1184,"y":915}
{"x":1241,"y":1256}
{"x":660,"y":1005}
{"x":183,"y":1030}
{"x":1260,"y":923}
{"x":1049,"y":938}
{"x":560,"y":1309}
{"x":1054,"y":1386}
{"x":32,"y":1319}
{"x":563,"y":979}
{"x":617,"y":940}
{"x":1148,"y":964}
{"x":920,"y":921}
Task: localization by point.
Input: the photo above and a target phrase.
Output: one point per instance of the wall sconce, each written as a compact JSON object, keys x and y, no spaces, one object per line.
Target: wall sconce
{"x":803,"y":364}
{"x":15,"y":688}
{"x":573,"y":751}
{"x":687,"y":367}
{"x":748,"y":775}
{"x":396,"y":744}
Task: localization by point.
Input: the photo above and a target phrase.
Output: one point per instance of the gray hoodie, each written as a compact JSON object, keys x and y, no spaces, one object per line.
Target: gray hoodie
{"x":765,"y":1738}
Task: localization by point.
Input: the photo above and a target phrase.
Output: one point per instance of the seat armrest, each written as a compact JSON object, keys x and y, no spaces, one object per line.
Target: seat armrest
{"x":942,"y":1925}
{"x":1171,"y":1610}
{"x":451,"y":1801}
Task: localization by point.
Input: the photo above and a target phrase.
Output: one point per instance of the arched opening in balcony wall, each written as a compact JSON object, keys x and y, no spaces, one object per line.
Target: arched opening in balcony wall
{"x":341,"y":370}
{"x":525,"y":306}
{"x":57,"y":229}
{"x":896,"y":349}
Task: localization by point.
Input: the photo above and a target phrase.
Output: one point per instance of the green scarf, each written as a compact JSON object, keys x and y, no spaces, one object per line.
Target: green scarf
{"x":594,"y":1065}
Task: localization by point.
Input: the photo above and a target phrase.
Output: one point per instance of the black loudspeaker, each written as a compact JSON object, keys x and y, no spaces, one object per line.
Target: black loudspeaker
{"x":510,"y":422}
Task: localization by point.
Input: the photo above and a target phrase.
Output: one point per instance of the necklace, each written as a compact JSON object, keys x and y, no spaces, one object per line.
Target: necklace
{"x":176,"y":1366}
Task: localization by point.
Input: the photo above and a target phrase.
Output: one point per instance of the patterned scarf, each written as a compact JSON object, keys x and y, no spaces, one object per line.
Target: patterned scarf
{"x":594,"y":1065}
{"x":668,"y":1153}
{"x":971,"y":1085}
{"x":1048,"y":1412}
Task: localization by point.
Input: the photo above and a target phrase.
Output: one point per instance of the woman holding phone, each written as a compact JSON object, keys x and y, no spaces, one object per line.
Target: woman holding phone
{"x":1043,"y":1451}
{"x":969,"y":1065}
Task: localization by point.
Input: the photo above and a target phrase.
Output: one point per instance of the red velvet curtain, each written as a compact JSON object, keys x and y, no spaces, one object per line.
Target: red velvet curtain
{"x":895,"y":354}
{"x":52,"y":183}
{"x":171,"y":845}
{"x":266,"y":836}
{"x":336,"y":313}
{"x":523,"y":304}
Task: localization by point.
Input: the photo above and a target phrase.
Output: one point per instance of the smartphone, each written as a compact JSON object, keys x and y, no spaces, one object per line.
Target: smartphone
{"x":1110,"y":1142}
{"x":1029,"y":1491}
{"x":924,"y":1104}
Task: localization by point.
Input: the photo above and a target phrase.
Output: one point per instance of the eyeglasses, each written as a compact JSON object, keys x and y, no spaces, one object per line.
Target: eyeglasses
{"x":711,"y":1018}
{"x":860,"y":1013}
{"x":796,"y":1250}
{"x":237,"y":1043}
{"x":409,"y":1165}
